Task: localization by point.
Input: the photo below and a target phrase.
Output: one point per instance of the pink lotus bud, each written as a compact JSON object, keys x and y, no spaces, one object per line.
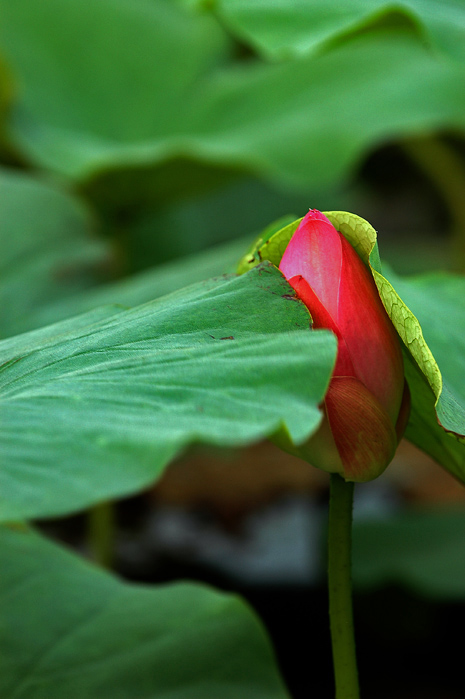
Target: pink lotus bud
{"x":367,"y":402}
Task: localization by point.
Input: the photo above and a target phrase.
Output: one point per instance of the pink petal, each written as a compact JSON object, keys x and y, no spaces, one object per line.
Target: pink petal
{"x":314,"y":252}
{"x":370,"y":337}
{"x":322,"y":319}
{"x":362,"y":430}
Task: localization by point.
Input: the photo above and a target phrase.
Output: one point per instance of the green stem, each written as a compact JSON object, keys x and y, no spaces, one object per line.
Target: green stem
{"x":340,"y":588}
{"x":101,"y":533}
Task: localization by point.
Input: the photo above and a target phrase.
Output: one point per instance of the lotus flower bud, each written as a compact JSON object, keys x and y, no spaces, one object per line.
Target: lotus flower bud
{"x":366,"y":406}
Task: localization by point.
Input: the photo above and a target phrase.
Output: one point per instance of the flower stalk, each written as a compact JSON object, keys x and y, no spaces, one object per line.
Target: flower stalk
{"x":340,"y":588}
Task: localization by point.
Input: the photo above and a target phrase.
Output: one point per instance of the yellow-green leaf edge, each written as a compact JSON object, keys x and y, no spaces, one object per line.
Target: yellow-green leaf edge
{"x":362,"y":236}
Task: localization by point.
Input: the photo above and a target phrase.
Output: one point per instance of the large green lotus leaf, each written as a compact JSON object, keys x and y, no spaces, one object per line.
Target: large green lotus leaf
{"x":280,"y":29}
{"x":134,"y":100}
{"x":306,"y":123}
{"x":69,"y":629}
{"x":122,"y":101}
{"x":437,"y":301}
{"x":48,"y":251}
{"x":97,"y":412}
{"x":126,"y":42}
{"x":419,"y":548}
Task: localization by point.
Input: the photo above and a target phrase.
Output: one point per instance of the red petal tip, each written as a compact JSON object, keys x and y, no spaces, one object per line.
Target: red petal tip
{"x":315,"y":215}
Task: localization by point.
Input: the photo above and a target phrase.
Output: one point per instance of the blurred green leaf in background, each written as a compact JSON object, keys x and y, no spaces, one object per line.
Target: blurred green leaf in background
{"x":76,"y":631}
{"x":49,"y":248}
{"x":162,"y":104}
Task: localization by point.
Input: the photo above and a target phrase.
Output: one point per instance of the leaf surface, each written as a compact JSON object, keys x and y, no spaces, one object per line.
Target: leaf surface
{"x":97,"y":411}
{"x":437,"y":302}
{"x":420,"y":548}
{"x":69,"y":629}
{"x":280,"y":29}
